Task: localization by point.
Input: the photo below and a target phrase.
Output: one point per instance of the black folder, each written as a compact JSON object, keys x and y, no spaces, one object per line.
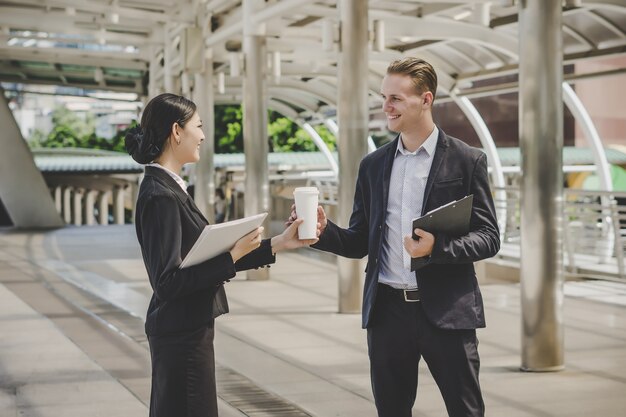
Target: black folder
{"x":452,"y":218}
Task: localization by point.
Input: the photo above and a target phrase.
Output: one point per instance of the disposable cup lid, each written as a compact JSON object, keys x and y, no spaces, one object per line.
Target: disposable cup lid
{"x":311,"y":190}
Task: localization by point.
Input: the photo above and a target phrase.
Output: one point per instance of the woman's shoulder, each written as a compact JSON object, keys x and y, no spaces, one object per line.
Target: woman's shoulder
{"x":151,"y":189}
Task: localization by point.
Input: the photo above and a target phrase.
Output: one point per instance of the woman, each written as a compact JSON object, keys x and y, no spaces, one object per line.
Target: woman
{"x":185,"y":302}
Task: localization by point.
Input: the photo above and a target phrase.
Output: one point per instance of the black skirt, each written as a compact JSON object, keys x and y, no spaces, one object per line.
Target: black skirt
{"x":183,"y":375}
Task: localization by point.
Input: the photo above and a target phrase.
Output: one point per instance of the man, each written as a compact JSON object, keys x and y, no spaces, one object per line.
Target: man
{"x":433,"y":312}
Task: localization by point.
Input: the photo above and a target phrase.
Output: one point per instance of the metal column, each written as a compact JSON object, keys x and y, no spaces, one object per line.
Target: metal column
{"x":204,"y":194}
{"x":353,"y":117}
{"x":541,"y":140}
{"x":256,"y":147}
{"x":168,"y":78}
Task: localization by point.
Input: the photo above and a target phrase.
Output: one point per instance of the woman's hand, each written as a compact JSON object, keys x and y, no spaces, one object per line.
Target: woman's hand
{"x":288,"y":239}
{"x":322,"y":221}
{"x":246,"y":244}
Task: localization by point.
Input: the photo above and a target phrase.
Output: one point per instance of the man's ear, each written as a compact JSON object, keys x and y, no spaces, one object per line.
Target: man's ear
{"x":428,"y":98}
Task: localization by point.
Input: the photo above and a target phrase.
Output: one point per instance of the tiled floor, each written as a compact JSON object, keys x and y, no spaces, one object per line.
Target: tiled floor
{"x":284,"y":335}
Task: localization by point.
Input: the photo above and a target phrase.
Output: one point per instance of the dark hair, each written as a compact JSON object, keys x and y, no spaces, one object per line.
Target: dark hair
{"x":146,"y":141}
{"x":421,"y":72}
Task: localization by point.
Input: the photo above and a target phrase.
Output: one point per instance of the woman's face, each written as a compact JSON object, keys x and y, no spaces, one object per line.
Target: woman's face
{"x":191,"y":136}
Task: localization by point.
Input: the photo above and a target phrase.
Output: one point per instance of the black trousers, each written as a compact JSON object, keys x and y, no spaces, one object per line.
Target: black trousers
{"x":398,"y":338}
{"x":183,"y":375}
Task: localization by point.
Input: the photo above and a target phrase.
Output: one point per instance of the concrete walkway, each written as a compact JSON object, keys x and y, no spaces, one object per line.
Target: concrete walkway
{"x":71,"y":308}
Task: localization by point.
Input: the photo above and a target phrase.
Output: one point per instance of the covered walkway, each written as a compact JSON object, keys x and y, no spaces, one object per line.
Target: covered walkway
{"x":314,"y":61}
{"x":73,"y":343}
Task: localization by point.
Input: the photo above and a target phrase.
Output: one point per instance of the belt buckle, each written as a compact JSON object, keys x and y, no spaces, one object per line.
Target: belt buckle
{"x":407,"y":299}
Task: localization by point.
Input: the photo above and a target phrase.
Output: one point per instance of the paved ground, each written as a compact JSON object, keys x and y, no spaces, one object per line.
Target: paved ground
{"x":72,"y":303}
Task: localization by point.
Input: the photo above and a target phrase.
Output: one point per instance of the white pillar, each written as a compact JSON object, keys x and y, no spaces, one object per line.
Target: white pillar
{"x":58,"y":198}
{"x":103,"y":207}
{"x":78,"y":206}
{"x":90,"y":198}
{"x":118,"y":203}
{"x":67,"y":205}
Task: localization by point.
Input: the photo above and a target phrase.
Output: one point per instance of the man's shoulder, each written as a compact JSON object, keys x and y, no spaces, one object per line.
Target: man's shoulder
{"x":457,"y":145}
{"x":379,"y":154}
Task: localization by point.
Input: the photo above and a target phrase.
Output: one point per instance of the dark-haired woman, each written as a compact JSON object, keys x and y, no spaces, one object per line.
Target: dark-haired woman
{"x":185,"y":302}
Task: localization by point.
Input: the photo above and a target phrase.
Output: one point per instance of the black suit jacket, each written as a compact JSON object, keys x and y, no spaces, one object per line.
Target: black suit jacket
{"x":168,"y":223}
{"x":449,"y":290}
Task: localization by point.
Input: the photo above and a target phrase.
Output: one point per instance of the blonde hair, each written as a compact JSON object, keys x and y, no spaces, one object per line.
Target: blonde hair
{"x":421,"y":72}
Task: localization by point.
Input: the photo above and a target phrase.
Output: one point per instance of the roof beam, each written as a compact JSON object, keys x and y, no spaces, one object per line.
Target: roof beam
{"x":74,"y":57}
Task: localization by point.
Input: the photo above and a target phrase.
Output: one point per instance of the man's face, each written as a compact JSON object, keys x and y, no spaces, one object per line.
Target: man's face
{"x":404,"y":107}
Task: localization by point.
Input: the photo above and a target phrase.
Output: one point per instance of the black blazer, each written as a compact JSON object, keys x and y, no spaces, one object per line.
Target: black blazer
{"x":449,"y":290}
{"x":168,"y":223}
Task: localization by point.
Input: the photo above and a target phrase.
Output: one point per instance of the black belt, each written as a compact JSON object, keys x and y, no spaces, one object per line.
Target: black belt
{"x":410,"y":296}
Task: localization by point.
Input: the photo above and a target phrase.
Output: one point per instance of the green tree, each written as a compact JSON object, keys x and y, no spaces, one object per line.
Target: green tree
{"x":117,"y":143}
{"x":283,"y":134}
{"x":71,"y":131}
{"x":228,"y":129}
{"x":82,"y":127}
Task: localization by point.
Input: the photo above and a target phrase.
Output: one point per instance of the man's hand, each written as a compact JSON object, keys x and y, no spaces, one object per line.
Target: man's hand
{"x":421,"y":247}
{"x":322,"y":221}
{"x":288,"y":239}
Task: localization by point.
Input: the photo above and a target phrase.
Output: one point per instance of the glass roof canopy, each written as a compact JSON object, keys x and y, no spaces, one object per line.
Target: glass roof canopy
{"x":121,"y":45}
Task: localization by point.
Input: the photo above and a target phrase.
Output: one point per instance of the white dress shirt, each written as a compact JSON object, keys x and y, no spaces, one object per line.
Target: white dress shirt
{"x":407,"y":184}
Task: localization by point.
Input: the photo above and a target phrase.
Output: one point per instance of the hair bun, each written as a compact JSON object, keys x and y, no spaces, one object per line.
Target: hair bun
{"x":140,"y":145}
{"x":133,"y":139}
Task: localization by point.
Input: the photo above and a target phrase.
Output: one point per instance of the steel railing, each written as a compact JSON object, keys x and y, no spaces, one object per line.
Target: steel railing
{"x":593,"y":222}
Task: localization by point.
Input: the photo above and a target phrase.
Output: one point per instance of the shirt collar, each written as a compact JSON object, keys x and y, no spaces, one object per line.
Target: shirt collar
{"x":172,"y":174}
{"x":429,"y":144}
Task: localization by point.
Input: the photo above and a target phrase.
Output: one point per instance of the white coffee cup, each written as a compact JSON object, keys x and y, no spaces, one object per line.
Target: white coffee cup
{"x":306,"y":208}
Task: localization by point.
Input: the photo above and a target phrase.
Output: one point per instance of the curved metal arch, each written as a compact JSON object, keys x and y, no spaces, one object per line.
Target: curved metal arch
{"x":290,"y":113}
{"x":581,"y":115}
{"x":483,"y":50}
{"x":607,"y":24}
{"x":304,"y":101}
{"x":586,"y":122}
{"x":322,"y":146}
{"x":315,"y":137}
{"x":438,"y":28}
{"x":312,"y":88}
{"x":461,"y":54}
{"x":489,"y":145}
{"x":334,"y":129}
{"x":578,"y":36}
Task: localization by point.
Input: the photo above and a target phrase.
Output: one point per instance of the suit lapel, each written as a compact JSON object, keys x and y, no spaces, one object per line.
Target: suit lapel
{"x":192,"y":204}
{"x":388,"y":163}
{"x":440,"y":151}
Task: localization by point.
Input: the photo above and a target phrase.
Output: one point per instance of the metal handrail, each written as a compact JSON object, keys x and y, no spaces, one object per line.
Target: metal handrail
{"x":594,"y":225}
{"x":594,"y":228}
